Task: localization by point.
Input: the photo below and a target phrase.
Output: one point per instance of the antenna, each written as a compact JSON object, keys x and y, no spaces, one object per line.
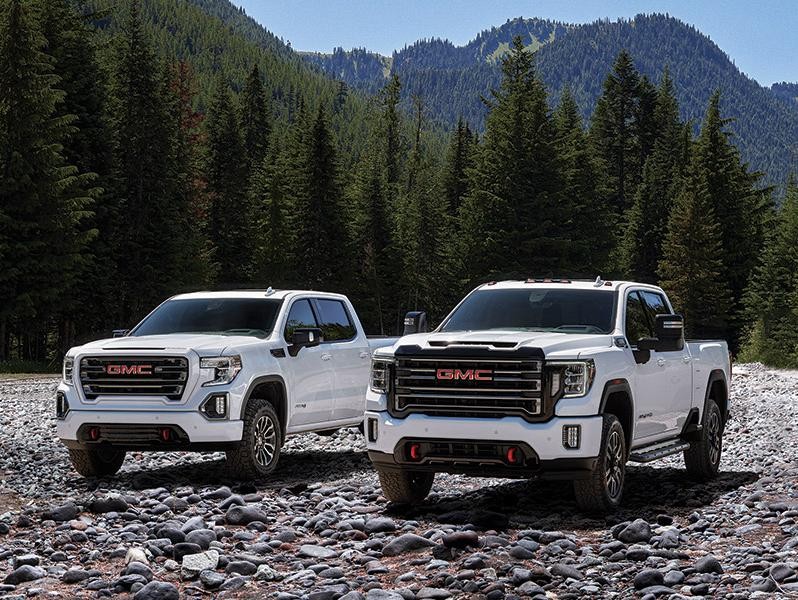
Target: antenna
{"x":269,"y":291}
{"x":598,"y":282}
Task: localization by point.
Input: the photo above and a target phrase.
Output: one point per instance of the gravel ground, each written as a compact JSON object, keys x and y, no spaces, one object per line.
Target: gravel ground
{"x":173,"y":524}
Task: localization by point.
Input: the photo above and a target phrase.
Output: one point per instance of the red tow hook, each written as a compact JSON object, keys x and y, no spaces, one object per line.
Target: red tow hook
{"x":166,"y":434}
{"x":415,"y":451}
{"x":94,"y":433}
{"x":512,"y":455}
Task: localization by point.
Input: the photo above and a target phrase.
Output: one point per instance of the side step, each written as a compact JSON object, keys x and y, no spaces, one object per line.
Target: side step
{"x":648,"y":454}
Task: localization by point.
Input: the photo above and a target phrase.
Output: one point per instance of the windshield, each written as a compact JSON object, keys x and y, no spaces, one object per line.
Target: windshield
{"x":561,"y":310}
{"x":220,"y":316}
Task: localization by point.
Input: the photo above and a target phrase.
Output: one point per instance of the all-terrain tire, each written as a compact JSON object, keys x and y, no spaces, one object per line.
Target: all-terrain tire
{"x":96,"y":462}
{"x":258,"y":452}
{"x":702,"y":458}
{"x":603,"y":490}
{"x":405,"y":487}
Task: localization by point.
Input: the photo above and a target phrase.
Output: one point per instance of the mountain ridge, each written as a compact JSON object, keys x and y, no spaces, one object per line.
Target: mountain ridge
{"x":453,"y":79}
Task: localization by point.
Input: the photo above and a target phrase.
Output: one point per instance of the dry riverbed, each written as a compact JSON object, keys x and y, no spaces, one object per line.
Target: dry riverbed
{"x":174,"y":524}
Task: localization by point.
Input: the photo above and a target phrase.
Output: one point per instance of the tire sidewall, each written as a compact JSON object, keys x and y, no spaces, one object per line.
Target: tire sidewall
{"x":711,"y":409}
{"x":265,"y":410}
{"x":613,"y":427}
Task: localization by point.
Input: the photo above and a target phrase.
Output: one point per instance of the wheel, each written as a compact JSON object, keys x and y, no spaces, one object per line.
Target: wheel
{"x":603,"y":490}
{"x":96,"y":462}
{"x":702,"y":458}
{"x":257,"y":453}
{"x":405,"y":487}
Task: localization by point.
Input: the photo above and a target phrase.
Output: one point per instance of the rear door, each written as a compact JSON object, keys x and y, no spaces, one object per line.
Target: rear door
{"x":677,"y":379}
{"x":310,"y":373}
{"x":350,"y":358}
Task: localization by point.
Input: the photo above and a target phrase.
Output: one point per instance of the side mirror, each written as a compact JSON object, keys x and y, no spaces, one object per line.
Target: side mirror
{"x":304,"y":337}
{"x":415,"y":322}
{"x":119,"y":332}
{"x":670,"y":333}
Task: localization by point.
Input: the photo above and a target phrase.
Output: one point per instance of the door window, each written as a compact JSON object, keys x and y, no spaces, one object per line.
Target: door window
{"x":637,"y":322}
{"x":301,"y":315}
{"x":334,"y":321}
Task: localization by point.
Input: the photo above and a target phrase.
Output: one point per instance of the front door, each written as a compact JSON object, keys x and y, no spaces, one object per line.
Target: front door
{"x":649,"y":393}
{"x":310,"y":374}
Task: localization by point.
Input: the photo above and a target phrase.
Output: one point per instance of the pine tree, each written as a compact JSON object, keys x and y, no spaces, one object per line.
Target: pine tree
{"x":648,"y":218}
{"x":44,"y":201}
{"x":150,"y":264}
{"x":590,"y":246}
{"x":268,"y":198}
{"x":231,"y":216}
{"x":692,"y":269}
{"x":741,"y":208}
{"x":515,"y":186}
{"x":459,"y":159}
{"x":614,"y":129}
{"x":320,"y":237}
{"x":771,"y":300}
{"x":391,"y":123}
{"x":71,"y":44}
{"x":255,"y":120}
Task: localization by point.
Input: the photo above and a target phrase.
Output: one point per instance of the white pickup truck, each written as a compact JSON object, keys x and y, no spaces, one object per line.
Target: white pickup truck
{"x":232,"y":371}
{"x":552,"y":378}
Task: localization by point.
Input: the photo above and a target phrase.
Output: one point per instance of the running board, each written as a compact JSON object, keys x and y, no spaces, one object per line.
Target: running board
{"x":658,"y":450}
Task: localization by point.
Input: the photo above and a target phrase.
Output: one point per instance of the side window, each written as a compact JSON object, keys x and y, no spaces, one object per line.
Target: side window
{"x":300,"y":315}
{"x":655,"y":304}
{"x":334,"y":321}
{"x":637,"y":324}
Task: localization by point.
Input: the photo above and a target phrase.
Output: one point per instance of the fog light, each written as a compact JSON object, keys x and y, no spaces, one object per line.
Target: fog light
{"x":61,"y":405}
{"x":571,"y":436}
{"x":214,"y":406}
{"x":372,"y":429}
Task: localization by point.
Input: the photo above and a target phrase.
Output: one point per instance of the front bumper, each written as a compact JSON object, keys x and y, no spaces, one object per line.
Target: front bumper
{"x":540,"y":444}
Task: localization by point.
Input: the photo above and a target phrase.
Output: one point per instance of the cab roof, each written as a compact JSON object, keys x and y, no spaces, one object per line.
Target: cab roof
{"x":268,"y":293}
{"x":555,"y":283}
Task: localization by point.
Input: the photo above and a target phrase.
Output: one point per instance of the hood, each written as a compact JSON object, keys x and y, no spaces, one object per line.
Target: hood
{"x":203,"y":344}
{"x":550,"y":343}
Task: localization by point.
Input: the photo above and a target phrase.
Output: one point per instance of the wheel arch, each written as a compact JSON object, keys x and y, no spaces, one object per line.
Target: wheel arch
{"x":617,"y":399}
{"x":273,"y":389}
{"x":717,"y":390}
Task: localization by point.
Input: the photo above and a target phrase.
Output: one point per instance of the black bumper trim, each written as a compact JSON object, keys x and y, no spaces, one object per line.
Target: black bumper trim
{"x":555,"y":469}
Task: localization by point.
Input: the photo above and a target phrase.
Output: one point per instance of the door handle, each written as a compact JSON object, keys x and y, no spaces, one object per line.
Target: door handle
{"x":661,"y":362}
{"x":364,"y":354}
{"x":326,"y":356}
{"x":686,"y":359}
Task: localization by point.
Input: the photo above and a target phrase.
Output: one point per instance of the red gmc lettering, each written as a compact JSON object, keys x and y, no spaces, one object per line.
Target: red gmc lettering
{"x":465,"y":375}
{"x":128,"y":369}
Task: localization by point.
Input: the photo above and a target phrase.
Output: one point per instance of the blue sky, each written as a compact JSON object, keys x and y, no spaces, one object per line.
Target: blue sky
{"x":759,"y":36}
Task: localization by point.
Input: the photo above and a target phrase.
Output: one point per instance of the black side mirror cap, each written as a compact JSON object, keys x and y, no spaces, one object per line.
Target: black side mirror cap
{"x":119,"y":332}
{"x":304,"y":337}
{"x":670,"y":333}
{"x":415,"y":322}
{"x":647,"y":344}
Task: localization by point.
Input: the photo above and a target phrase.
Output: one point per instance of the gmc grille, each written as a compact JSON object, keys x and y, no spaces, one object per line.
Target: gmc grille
{"x":470,"y":386}
{"x":134,"y":376}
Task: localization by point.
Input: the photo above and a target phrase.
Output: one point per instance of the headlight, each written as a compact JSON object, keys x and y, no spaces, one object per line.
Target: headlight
{"x":380,"y":380}
{"x":574,"y":378}
{"x":224,"y":369}
{"x":66,"y":371}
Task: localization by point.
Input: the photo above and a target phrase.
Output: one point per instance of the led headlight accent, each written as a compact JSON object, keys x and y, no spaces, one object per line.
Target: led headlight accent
{"x":575,"y":378}
{"x":66,"y":371}
{"x":380,"y":380}
{"x":224,"y":369}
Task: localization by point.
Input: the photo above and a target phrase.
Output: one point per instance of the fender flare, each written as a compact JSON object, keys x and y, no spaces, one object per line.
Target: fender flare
{"x":717,"y":375}
{"x":614,"y":386}
{"x":259,"y":381}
